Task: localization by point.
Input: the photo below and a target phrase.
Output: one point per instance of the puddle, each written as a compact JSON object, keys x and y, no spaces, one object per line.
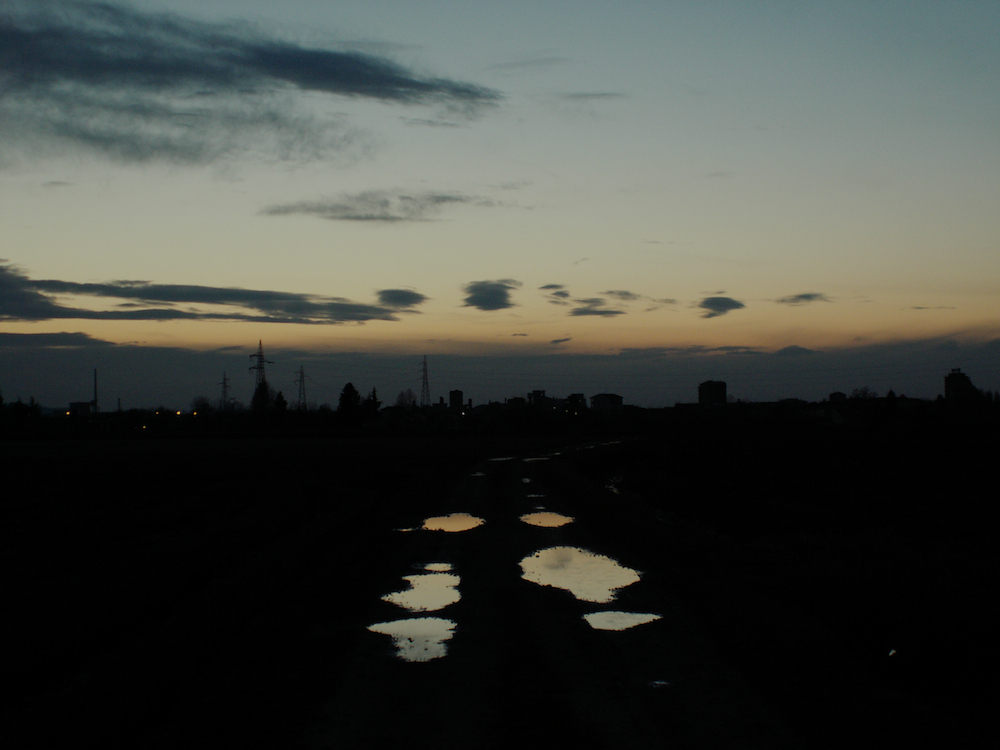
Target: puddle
{"x":418,"y":638}
{"x":478,"y":474}
{"x":525,"y":480}
{"x":536,"y":458}
{"x":428,"y":591}
{"x":587,"y":576}
{"x":618,"y":620}
{"x":503,"y":458}
{"x":547,"y":519}
{"x":438,"y":567}
{"x":452,"y":522}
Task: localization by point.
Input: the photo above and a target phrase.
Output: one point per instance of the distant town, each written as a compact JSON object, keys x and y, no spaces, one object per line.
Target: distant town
{"x":356,"y":413}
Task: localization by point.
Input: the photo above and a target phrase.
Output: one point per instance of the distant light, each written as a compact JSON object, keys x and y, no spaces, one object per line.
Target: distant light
{"x":67,"y":414}
{"x":178,"y":414}
{"x":193,"y":414}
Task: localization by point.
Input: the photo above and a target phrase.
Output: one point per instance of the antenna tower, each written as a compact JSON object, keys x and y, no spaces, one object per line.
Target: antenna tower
{"x":302,"y":388}
{"x":259,"y":367}
{"x":425,"y":389}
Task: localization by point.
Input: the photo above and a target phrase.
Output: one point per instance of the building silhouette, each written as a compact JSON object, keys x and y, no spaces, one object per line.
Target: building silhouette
{"x":606,"y":402}
{"x":712,"y":393}
{"x":958,"y":386}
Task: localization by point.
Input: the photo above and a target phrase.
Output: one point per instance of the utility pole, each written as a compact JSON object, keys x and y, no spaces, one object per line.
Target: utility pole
{"x":425,"y":389}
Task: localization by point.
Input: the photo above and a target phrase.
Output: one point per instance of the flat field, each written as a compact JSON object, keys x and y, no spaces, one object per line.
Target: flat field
{"x":817,"y":587}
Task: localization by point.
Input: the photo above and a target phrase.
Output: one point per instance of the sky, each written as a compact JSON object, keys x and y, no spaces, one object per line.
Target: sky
{"x":579,"y":197}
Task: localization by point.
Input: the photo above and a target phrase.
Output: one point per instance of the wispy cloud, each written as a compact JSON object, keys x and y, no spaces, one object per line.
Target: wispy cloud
{"x":385,"y":206}
{"x":716,"y":306}
{"x":490,"y":295}
{"x":803,"y":299}
{"x":136,"y":86}
{"x":695,"y":350}
{"x":22,"y":298}
{"x":623,"y":295}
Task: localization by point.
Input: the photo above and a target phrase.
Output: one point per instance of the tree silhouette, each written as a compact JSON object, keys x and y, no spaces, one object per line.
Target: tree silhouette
{"x":370,"y":406}
{"x":350,"y":401}
{"x":262,"y":398}
{"x":280,"y":404}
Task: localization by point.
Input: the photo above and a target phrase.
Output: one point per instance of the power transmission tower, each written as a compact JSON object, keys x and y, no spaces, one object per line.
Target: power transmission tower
{"x":259,"y":367}
{"x":425,"y":389}
{"x":224,"y":401}
{"x":302,"y":388}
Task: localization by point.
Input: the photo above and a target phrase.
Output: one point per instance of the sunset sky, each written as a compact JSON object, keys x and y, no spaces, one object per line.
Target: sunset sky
{"x":574,"y":196}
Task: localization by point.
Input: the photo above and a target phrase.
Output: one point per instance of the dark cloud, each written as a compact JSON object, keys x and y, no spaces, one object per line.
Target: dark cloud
{"x":28,"y":299}
{"x":400,"y":298}
{"x":373,"y":205}
{"x":50,"y":340}
{"x":557,"y":294}
{"x":556,"y":342}
{"x":716,"y":306}
{"x":490,"y":295}
{"x":136,"y":86}
{"x":802,"y":299}
{"x":794,"y":351}
{"x":594,"y":306}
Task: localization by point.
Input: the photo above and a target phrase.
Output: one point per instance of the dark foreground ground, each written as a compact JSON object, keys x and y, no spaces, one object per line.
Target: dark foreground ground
{"x":819,"y":587}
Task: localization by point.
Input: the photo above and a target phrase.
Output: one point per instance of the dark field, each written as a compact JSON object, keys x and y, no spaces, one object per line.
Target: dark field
{"x":820,"y":587}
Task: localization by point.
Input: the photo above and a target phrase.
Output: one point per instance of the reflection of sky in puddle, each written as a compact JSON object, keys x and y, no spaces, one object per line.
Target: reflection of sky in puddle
{"x":427,"y":592}
{"x":452,"y":522}
{"x":547,"y":519}
{"x":418,"y":638}
{"x":503,"y":458}
{"x":618,"y":620}
{"x":536,"y":458}
{"x":587,"y":576}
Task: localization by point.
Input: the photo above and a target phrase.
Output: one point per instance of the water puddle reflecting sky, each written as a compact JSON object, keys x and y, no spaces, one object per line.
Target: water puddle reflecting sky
{"x":452,"y":522}
{"x":429,"y":591}
{"x":418,"y":638}
{"x":546,"y":519}
{"x":618,"y":620}
{"x":587,"y":576}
